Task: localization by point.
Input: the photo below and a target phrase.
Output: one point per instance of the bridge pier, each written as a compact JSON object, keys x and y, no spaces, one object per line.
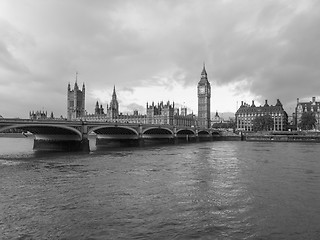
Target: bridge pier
{"x":61,"y":145}
{"x":141,"y":142}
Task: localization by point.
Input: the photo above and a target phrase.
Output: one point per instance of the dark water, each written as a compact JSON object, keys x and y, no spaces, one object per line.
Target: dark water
{"x":213,"y":190}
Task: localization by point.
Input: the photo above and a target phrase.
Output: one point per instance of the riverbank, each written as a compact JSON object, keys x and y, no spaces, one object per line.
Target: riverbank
{"x":284,"y":137}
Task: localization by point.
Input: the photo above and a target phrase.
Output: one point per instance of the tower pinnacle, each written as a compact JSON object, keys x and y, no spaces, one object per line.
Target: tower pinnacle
{"x":204,"y":72}
{"x":114,"y":95}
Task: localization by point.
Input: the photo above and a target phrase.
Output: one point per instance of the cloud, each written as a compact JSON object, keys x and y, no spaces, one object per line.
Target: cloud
{"x":253,"y":49}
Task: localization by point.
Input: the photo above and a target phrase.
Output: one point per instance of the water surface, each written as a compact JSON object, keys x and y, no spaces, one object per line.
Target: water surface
{"x":212,"y":190}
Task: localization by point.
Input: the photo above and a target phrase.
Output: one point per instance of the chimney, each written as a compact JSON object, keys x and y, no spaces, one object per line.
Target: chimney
{"x":313,"y":99}
{"x":252,"y":104}
{"x":297,"y":100}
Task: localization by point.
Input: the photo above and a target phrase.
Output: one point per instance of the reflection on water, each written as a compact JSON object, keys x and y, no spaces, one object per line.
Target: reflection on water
{"x":213,"y":190}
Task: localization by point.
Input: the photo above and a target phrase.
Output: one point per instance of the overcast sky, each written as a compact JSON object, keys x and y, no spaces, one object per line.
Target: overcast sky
{"x":154,"y":51}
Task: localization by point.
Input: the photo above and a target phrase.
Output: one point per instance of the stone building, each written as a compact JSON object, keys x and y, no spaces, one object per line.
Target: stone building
{"x":163,"y":113}
{"x":247,"y":113}
{"x":204,"y":97}
{"x":42,"y":115}
{"x":217,"y":118}
{"x":185,"y":120}
{"x":310,"y":106}
{"x":111,"y":113}
{"x":166,"y":113}
{"x":160,"y":114}
{"x":76,"y":102}
{"x":38,"y":115}
{"x":113,"y":108}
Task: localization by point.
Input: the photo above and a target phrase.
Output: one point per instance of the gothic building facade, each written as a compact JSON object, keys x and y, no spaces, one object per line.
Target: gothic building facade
{"x":76,"y":102}
{"x":112,"y":113}
{"x":40,"y":115}
{"x":167,"y":114}
{"x":204,"y":97}
{"x":246,"y":114}
{"x":162,"y":113}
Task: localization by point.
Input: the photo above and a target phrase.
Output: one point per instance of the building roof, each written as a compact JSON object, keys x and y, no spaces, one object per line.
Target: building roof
{"x":245,"y":108}
{"x":309,"y":106}
{"x":204,"y":78}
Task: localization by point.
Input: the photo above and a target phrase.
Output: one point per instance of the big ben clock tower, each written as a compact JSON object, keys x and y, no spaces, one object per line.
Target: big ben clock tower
{"x":204,"y":95}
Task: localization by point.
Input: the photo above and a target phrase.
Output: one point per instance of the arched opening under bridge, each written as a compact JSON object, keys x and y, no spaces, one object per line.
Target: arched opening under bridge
{"x":115,"y":136}
{"x":53,"y":137}
{"x":186,"y":135}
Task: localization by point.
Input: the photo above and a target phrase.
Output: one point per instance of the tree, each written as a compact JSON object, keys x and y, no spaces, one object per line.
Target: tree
{"x":308,"y":121}
{"x":262,"y":123}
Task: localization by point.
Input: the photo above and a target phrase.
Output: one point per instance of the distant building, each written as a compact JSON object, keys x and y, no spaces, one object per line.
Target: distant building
{"x":76,"y":102}
{"x":160,"y":114}
{"x":42,"y":115}
{"x":204,"y":96}
{"x":247,"y":113}
{"x":166,"y":113}
{"x":311,"y":106}
{"x":111,"y":113}
{"x":163,"y":113}
{"x":217,"y":118}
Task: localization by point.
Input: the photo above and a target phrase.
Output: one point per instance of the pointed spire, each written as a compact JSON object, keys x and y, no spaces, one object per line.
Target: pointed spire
{"x":204,"y":72}
{"x":76,"y":83}
{"x":114,"y":95}
{"x":278,"y":103}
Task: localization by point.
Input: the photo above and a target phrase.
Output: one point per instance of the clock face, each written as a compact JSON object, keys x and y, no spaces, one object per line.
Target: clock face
{"x":202,"y":89}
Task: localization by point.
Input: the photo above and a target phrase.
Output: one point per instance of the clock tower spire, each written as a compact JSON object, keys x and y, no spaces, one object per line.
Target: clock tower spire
{"x":204,"y":96}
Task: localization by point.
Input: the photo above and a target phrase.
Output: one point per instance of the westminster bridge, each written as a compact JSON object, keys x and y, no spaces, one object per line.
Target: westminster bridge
{"x":73,"y":135}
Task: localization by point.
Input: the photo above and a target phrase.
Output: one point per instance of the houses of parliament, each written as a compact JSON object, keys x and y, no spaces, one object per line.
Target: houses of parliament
{"x":160,"y":113}
{"x":166,"y":113}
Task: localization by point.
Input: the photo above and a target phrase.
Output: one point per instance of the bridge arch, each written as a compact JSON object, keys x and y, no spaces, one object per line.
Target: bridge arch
{"x":114,"y":130}
{"x":203,"y":132}
{"x":215,"y":133}
{"x":158,"y":130}
{"x":185,"y":132}
{"x":45,"y":129}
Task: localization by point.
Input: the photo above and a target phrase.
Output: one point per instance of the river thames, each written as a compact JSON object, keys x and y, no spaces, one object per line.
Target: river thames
{"x":212,"y":190}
